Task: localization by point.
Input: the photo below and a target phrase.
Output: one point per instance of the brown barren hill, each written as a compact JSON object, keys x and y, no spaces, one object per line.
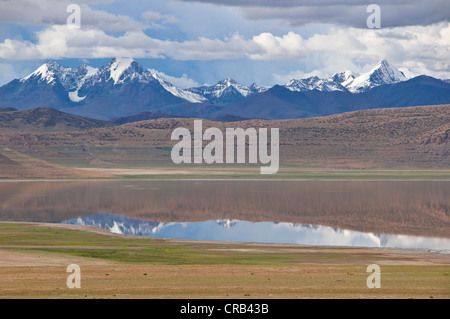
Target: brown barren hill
{"x":16,"y":165}
{"x":408,"y":137}
{"x":45,"y":119}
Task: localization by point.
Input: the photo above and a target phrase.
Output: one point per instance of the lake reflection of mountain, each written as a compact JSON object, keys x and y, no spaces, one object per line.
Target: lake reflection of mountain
{"x":263,"y":232}
{"x":419,"y":208}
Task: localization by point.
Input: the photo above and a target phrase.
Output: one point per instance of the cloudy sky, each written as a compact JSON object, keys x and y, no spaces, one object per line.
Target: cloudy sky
{"x":195,"y":42}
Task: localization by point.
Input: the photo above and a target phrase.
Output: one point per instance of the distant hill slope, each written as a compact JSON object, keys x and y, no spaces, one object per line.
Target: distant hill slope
{"x":7,"y":109}
{"x":44,"y":119}
{"x":228,"y":118}
{"x":143,"y":116}
{"x":17,"y":165}
{"x":413,"y":137}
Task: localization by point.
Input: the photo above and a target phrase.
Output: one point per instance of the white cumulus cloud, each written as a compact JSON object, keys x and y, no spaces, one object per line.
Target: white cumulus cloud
{"x":424,"y":49}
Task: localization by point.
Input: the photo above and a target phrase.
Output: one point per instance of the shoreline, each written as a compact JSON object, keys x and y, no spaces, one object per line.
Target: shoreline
{"x":220,"y":173}
{"x":115,"y":179}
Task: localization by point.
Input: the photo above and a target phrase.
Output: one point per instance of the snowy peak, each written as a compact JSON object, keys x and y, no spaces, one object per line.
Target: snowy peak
{"x":229,"y":84}
{"x":343,"y":78}
{"x":226,"y":91}
{"x":122,"y":70}
{"x":314,"y":83}
{"x":383,"y":73}
{"x":68,"y":77}
{"x":254,"y":88}
{"x":87,"y":71}
{"x":47,"y":72}
{"x":227,"y":81}
{"x":117,"y":68}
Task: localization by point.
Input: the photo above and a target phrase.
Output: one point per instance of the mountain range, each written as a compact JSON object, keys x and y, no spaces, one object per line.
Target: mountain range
{"x":124,"y":88}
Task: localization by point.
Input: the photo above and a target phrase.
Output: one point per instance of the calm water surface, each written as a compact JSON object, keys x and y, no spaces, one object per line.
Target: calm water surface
{"x":410,"y":214}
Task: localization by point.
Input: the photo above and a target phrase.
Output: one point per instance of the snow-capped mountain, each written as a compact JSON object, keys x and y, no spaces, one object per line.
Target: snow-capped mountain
{"x":120,"y":88}
{"x":118,"y":71}
{"x":255,"y":88}
{"x":184,"y":94}
{"x":78,"y":83}
{"x":382,"y":74}
{"x":314,"y":83}
{"x":51,"y":73}
{"x":46,"y":72}
{"x":125,"y":70}
{"x":124,"y":88}
{"x":343,"y":78}
{"x":226,"y":91}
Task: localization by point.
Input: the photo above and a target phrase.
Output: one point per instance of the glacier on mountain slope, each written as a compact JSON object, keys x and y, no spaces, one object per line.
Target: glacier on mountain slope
{"x":73,"y":96}
{"x":118,"y":67}
{"x":184,"y":94}
{"x":89,"y":73}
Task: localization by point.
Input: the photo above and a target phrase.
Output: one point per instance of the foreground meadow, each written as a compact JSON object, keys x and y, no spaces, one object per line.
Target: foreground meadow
{"x":34,"y":259}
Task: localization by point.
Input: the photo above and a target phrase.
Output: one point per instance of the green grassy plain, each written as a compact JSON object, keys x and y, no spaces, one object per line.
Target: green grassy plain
{"x":35,"y":257}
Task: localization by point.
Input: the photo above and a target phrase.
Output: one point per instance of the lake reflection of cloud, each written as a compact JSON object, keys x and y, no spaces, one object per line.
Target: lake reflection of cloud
{"x":262,"y":232}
